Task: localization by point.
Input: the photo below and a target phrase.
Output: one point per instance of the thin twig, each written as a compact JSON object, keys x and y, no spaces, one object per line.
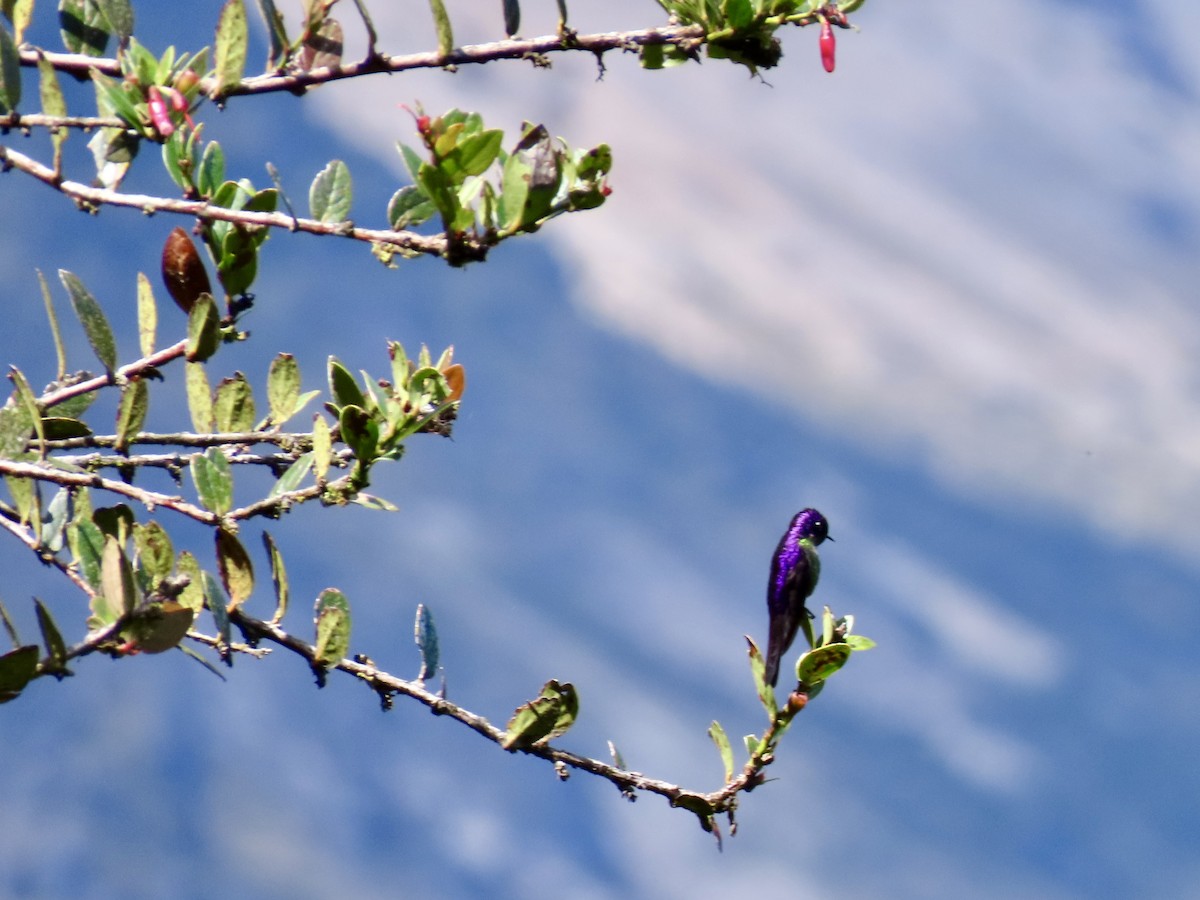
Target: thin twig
{"x":149,"y":499}
{"x":41,"y":120}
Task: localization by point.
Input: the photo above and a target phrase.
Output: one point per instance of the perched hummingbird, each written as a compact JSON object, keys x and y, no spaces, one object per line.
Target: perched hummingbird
{"x":795,"y":568}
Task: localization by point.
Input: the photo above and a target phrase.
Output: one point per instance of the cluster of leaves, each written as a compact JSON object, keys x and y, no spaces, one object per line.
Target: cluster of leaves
{"x":829,"y":651}
{"x":483,"y":192}
{"x":480,"y":194}
{"x":144,"y":595}
{"x":743,"y":31}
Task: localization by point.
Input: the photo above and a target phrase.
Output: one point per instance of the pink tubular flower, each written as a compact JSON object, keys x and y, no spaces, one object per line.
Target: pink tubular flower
{"x":179,"y":103}
{"x":828,"y":44}
{"x":159,"y":115}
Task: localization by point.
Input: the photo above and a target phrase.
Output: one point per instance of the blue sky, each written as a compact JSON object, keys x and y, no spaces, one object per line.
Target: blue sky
{"x":945,"y":295}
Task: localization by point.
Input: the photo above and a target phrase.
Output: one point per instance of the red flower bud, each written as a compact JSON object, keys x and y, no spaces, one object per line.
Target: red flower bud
{"x":828,"y":45}
{"x":186,"y":80}
{"x":178,"y":101}
{"x":158,"y":112}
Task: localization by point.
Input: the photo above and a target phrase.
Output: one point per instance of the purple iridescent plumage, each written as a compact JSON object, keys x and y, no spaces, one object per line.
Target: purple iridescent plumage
{"x":795,"y":568}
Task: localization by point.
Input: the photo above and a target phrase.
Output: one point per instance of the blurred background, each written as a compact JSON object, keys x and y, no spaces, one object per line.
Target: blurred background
{"x":947,"y":295}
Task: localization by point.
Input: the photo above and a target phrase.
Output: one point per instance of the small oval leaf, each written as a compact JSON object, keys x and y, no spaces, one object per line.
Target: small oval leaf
{"x":234,"y":405}
{"x":332,"y":620}
{"x":331,"y":193}
{"x":232,"y":41}
{"x":213,"y":480}
{"x":235,"y":568}
{"x":95,"y":325}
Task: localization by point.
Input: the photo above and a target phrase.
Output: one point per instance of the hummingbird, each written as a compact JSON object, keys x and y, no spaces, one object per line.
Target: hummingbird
{"x":795,"y":568}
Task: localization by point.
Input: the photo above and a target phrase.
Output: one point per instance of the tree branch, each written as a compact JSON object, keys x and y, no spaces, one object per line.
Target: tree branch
{"x":474,"y":54}
{"x":465,"y":247}
{"x":705,"y":805}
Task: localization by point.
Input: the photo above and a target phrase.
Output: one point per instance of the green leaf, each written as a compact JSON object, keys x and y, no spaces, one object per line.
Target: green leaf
{"x":53,"y":104}
{"x":199,"y":396}
{"x":10,"y":73}
{"x":56,"y":647}
{"x":95,"y":325}
{"x":408,"y":208}
{"x":17,"y":668}
{"x":213,"y":480}
{"x":235,"y":568}
{"x":59,"y":427}
{"x":20,"y":13}
{"x":474,"y":154}
{"x":717,"y":733}
{"x":512,"y":17}
{"x":147,"y":314}
{"x":8,"y":626}
{"x":212,"y":169}
{"x":360,"y":432}
{"x":293,"y":476}
{"x":857,"y":642}
{"x":117,"y":592}
{"x":232,"y":41}
{"x":118,"y":14}
{"x":278,"y":54}
{"x":215,"y":601}
{"x":427,"y":642}
{"x":440,"y":188}
{"x":204,"y":329}
{"x":758,"y":667}
{"x":283,"y":387}
{"x":24,"y":496}
{"x":83,"y":27}
{"x":738,"y":13}
{"x":115,"y":520}
{"x":86,"y":542}
{"x":322,"y":451}
{"x":191,"y":596}
{"x":515,"y":191}
{"x":55,"y":332}
{"x":16,"y":427}
{"x":28,"y":401}
{"x":817,"y":665}
{"x":57,"y":516}
{"x":113,"y":149}
{"x":154,"y":550}
{"x":330,"y":194}
{"x":332,"y":620}
{"x":234,"y":406}
{"x":342,"y":387}
{"x":412,"y":160}
{"x":441,"y":22}
{"x":370,"y":501}
{"x":162,"y":628}
{"x":279,"y":578}
{"x":544,"y":718}
{"x":131,"y":413}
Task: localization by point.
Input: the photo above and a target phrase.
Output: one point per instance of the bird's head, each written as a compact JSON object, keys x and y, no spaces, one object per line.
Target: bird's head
{"x":812,"y":525}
